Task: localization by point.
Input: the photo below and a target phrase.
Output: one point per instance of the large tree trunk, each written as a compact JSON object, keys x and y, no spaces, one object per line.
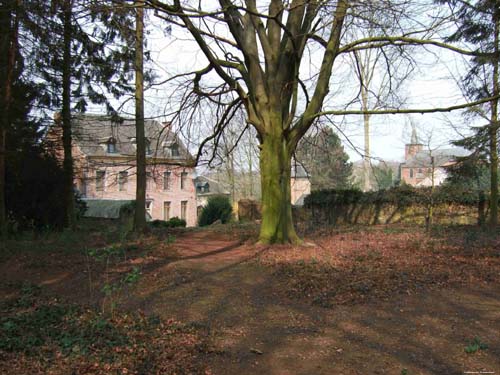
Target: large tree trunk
{"x":69,"y":198}
{"x":140,"y":192}
{"x":8,"y":51}
{"x":275,"y":168}
{"x":3,"y":208}
{"x":494,"y":132}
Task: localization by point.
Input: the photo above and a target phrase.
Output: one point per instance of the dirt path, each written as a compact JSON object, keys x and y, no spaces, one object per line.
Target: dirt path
{"x":220,"y":287}
{"x":226,"y":290}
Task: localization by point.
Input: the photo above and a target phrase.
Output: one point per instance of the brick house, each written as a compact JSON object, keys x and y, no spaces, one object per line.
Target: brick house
{"x":420,"y":165}
{"x":104,"y":165}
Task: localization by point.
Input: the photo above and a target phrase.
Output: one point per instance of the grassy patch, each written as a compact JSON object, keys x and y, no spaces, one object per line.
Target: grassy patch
{"x":475,"y":346}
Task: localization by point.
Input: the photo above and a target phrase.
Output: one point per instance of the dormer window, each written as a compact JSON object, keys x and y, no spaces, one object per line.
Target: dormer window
{"x":175,"y":150}
{"x":111,"y":146}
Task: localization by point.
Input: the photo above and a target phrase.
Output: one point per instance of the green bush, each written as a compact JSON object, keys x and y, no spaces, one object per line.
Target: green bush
{"x":218,"y":208}
{"x":174,"y":222}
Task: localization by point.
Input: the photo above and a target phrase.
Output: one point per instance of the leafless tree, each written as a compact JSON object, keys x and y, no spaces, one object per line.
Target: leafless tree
{"x":276,"y":60}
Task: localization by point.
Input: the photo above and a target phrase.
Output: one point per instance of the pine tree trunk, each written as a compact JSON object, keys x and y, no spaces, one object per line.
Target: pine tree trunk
{"x":69,"y":198}
{"x":140,"y":192}
{"x":9,"y":42}
{"x":275,"y":168}
{"x":3,"y":208}
{"x":494,"y":132}
{"x":5,"y":22}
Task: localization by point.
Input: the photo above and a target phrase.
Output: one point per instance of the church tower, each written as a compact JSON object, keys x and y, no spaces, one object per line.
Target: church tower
{"x":414,"y":147}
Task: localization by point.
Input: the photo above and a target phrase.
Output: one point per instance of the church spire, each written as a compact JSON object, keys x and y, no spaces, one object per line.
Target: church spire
{"x":414,"y":138}
{"x":414,"y":147}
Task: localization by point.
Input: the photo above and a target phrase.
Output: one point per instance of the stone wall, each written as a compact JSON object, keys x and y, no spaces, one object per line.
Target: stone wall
{"x":385,"y":213}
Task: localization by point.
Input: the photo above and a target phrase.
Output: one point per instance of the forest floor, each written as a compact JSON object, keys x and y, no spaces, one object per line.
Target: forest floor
{"x":355,"y":300}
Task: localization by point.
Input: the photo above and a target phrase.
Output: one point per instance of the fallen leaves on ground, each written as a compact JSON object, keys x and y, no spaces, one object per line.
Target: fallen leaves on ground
{"x":54,"y":338}
{"x":358,"y":265}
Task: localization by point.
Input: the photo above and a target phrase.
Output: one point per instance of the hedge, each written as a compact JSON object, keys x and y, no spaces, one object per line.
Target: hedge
{"x":401,"y":195}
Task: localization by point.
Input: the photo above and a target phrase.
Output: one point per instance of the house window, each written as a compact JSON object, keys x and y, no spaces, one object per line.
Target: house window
{"x":149,"y":181}
{"x":100,"y":176}
{"x":411,"y":172}
{"x":149,"y":208}
{"x":184,"y":210}
{"x":122,"y":180}
{"x":111,"y":146}
{"x":183,"y":180}
{"x":148,"y":147}
{"x":83,"y":186}
{"x":166,"y":211}
{"x":166,"y":180}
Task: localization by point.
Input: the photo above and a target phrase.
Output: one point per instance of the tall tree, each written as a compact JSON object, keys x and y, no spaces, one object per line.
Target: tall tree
{"x":82,"y":67}
{"x":140,"y":192}
{"x":478,"y":23}
{"x":9,"y":33}
{"x":258,"y":51}
{"x":67,"y":19}
{"x":325,"y":160}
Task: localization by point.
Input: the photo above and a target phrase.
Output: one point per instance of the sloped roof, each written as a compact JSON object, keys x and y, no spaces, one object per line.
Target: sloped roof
{"x":441,"y":158}
{"x":92,"y":132}
{"x":105,"y":208}
{"x":215,"y":187}
{"x":298,"y":171}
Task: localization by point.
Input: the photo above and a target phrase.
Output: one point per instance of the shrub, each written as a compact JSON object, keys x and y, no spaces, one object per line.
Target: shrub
{"x":218,"y":208}
{"x":174,"y":222}
{"x":402,"y":195}
{"x":159,"y":224}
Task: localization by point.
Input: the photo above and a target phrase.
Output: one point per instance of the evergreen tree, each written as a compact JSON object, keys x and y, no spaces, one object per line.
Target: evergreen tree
{"x":83,"y":57}
{"x":32,"y":187}
{"x":325,"y":160}
{"x":10,"y":65}
{"x":478,"y":23}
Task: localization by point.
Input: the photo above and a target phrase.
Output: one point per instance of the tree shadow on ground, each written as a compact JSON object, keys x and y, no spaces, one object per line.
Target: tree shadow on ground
{"x":224,"y":291}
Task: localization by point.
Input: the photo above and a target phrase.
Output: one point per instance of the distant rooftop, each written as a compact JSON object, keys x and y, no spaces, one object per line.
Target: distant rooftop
{"x":442,"y":157}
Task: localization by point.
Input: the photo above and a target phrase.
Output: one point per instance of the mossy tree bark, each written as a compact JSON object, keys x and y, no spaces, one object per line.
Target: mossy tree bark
{"x":275,"y":168}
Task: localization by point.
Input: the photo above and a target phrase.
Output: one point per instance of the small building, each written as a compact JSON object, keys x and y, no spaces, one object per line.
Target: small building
{"x":104,"y":155}
{"x":300,"y":184}
{"x":421,"y":166}
{"x":206,"y":188}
